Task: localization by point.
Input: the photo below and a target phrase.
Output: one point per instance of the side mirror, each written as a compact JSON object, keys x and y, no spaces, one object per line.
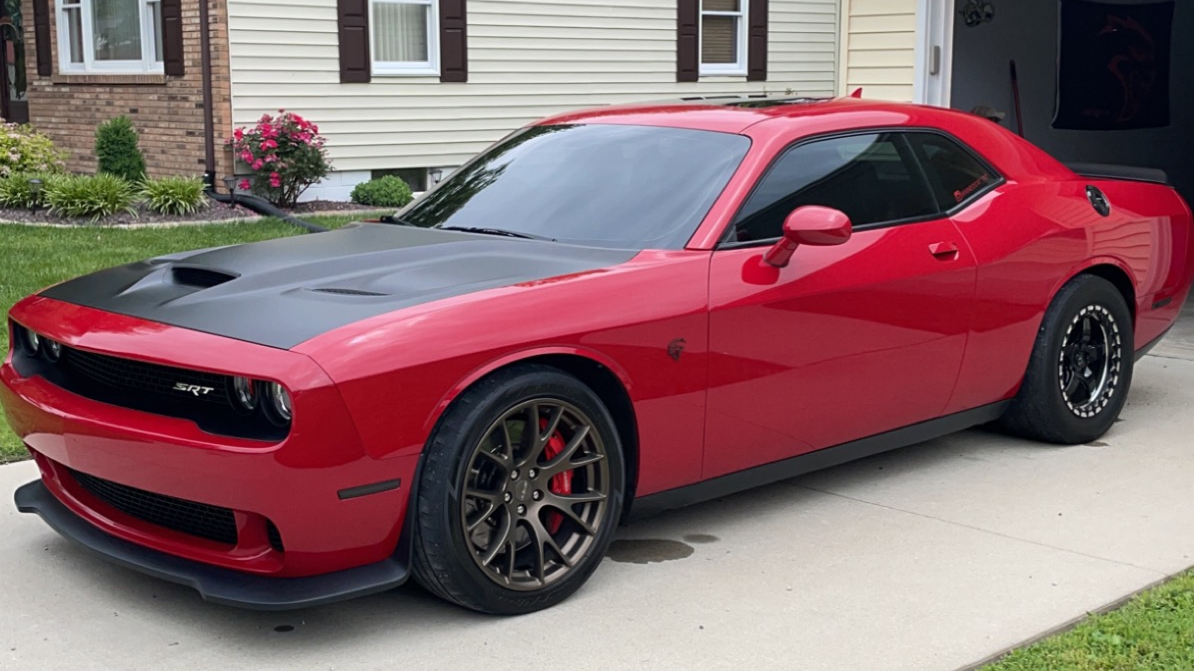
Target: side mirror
{"x":809,"y":225}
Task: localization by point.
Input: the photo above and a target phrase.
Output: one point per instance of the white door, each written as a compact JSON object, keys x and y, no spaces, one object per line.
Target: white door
{"x":934,"y":51}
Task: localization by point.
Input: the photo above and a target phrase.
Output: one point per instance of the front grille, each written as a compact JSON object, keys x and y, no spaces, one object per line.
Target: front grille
{"x":131,"y":375}
{"x":202,"y":397}
{"x":195,"y":519}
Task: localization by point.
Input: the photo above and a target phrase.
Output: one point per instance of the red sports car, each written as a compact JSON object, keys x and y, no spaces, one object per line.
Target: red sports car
{"x":609,"y":312}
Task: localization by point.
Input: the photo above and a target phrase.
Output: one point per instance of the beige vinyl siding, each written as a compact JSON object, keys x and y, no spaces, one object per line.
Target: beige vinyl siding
{"x":880,"y":48}
{"x":526,"y":60}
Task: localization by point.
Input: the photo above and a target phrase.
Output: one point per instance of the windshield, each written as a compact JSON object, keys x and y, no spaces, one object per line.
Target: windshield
{"x":633,"y":187}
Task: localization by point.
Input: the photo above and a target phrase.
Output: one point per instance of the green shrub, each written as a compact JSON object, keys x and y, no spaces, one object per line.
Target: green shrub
{"x":116,"y":149}
{"x":23,"y":149}
{"x":92,"y":196}
{"x":16,"y":191}
{"x":388,"y":191}
{"x":173,"y":195}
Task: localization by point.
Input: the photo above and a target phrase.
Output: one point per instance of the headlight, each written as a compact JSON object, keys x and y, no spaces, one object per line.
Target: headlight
{"x":244,"y":393}
{"x":277,"y":403}
{"x":52,"y":348}
{"x":28,"y":340}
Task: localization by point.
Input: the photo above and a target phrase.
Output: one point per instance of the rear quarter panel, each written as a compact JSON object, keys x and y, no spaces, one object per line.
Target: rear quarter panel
{"x":1165,"y":265}
{"x":1031,"y":238}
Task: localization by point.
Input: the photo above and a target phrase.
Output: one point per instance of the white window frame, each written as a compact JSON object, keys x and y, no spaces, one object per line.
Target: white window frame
{"x":147,"y":64}
{"x":729,"y":69}
{"x":429,"y":67}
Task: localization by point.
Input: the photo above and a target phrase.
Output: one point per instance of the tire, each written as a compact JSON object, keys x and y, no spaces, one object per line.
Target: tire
{"x":1080,"y":370}
{"x":509,"y":519}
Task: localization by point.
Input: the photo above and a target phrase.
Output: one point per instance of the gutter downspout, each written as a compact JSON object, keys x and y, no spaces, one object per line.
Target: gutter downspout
{"x":209,"y":142}
{"x":262,"y":206}
{"x":258,"y":205}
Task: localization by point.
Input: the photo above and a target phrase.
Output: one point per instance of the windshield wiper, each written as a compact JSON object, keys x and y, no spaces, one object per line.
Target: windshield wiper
{"x":495,"y":231}
{"x":395,"y":219}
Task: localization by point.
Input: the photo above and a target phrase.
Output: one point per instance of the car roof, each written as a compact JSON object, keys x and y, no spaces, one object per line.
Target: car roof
{"x":762,"y":117}
{"x":736,"y":113}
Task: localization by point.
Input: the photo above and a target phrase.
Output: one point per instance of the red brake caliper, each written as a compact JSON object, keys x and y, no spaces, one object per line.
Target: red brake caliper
{"x":561,"y":483}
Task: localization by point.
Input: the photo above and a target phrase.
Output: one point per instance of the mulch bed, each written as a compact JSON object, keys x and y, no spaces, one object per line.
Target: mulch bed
{"x":213,"y":212}
{"x":332,"y":207}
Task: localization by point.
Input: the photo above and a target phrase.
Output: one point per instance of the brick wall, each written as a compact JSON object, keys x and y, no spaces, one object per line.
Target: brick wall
{"x":166,"y":111}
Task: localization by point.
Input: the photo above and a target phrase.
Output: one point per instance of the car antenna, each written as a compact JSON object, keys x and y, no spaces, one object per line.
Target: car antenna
{"x":1016,"y":97}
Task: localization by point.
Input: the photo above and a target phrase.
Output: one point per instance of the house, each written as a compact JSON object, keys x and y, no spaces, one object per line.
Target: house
{"x":415,"y":87}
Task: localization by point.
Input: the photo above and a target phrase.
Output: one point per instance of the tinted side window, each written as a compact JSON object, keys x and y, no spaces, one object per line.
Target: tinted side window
{"x":954,"y":173}
{"x":871,"y":178}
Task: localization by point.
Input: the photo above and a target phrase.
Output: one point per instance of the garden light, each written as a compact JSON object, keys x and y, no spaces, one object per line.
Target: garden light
{"x":230,"y":184}
{"x":34,"y":192}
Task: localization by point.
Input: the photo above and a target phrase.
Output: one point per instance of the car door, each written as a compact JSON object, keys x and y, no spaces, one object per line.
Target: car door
{"x":845,"y":341}
{"x":1007,"y":239}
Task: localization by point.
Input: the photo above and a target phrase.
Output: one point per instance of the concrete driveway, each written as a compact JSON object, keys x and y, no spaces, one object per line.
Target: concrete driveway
{"x":932,"y":557}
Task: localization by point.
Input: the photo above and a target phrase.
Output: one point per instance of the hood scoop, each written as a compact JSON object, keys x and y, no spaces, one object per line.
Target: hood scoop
{"x":202,"y":278}
{"x":347,"y":292}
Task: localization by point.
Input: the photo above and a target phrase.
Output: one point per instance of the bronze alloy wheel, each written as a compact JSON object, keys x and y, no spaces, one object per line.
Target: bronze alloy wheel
{"x":535,"y":494}
{"x":1091,"y":356}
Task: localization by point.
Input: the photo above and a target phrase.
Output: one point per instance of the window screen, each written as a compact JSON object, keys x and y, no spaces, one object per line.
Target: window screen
{"x":721,"y":31}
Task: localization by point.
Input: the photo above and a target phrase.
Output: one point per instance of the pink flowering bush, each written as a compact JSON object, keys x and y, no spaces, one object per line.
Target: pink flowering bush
{"x":285,"y":153}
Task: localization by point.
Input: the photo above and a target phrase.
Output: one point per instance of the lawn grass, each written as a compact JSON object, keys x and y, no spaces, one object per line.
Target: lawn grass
{"x":33,"y":257}
{"x":1153,"y":632}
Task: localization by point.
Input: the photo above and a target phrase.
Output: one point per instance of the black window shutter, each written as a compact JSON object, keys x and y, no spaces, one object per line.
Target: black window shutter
{"x":453,"y":41}
{"x":688,"y":67}
{"x":172,"y":61}
{"x":756,"y":42}
{"x":41,"y":34}
{"x":353,"y":17}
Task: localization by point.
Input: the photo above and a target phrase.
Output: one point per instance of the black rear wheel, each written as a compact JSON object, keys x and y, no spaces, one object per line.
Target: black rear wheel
{"x":1090,"y":362}
{"x":520,"y":492}
{"x":1081,"y":366}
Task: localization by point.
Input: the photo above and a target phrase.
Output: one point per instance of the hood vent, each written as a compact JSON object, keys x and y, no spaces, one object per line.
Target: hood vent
{"x":199,"y":277}
{"x":346,"y":292}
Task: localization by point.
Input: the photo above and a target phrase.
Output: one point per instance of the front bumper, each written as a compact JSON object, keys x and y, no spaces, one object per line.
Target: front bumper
{"x":318,"y":488}
{"x":215,"y":584}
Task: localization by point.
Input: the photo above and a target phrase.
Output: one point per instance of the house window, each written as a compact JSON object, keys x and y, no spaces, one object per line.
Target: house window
{"x":121,"y":36}
{"x":404,"y":37}
{"x":415,"y":178}
{"x":723,"y":37}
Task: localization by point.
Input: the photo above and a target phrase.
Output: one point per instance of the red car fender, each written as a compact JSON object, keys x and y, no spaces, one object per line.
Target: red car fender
{"x":515,"y":357}
{"x":1085,"y":265}
{"x":1149,"y":321}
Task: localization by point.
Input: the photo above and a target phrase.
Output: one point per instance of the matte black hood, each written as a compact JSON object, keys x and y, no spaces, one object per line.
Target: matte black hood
{"x":286,"y":291}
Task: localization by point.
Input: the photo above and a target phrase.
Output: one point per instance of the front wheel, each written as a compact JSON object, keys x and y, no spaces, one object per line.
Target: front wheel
{"x":1081,"y":366}
{"x":520,"y":492}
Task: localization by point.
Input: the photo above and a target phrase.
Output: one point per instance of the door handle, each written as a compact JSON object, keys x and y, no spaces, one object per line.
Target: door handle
{"x":944,"y":250}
